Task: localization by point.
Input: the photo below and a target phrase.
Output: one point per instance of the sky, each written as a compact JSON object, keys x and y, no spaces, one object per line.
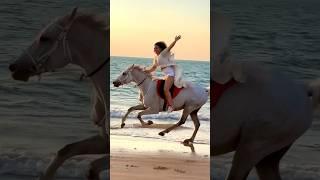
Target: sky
{"x":137,"y":24}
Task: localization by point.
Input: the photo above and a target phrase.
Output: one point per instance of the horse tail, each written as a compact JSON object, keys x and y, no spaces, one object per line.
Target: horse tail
{"x":314,"y":92}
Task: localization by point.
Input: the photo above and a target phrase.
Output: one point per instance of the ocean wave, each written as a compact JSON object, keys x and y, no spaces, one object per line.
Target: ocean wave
{"x":23,"y":164}
{"x":163,"y":115}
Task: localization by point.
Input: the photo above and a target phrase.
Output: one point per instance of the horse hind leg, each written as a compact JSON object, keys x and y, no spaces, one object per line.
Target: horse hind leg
{"x":251,"y":153}
{"x":196,"y":122}
{"x":92,"y":145}
{"x":182,"y":120}
{"x":96,"y":167}
{"x":133,"y":108}
{"x":242,"y":164}
{"x":268,"y":167}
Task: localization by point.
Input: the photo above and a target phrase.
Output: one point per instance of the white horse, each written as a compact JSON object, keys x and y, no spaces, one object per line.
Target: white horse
{"x":259,"y":118}
{"x":80,"y":39}
{"x":190,"y":99}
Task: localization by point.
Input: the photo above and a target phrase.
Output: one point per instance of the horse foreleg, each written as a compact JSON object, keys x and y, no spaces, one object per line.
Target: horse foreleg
{"x":133,"y":108}
{"x":96,"y":167}
{"x":196,"y":123}
{"x":145,"y":112}
{"x":182,"y":120}
{"x":92,"y":145}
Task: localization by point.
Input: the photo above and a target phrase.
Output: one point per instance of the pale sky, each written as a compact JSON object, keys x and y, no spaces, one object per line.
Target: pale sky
{"x":137,"y":24}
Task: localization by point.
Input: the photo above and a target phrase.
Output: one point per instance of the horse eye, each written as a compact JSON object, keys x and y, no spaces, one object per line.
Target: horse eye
{"x":44,"y":39}
{"x":124,"y":73}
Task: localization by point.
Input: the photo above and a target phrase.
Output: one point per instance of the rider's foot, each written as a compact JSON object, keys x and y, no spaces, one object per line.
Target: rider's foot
{"x":170,"y":109}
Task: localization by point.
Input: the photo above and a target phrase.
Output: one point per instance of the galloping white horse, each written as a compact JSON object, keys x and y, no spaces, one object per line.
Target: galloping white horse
{"x":259,"y":118}
{"x":80,"y":39}
{"x":190,"y":99}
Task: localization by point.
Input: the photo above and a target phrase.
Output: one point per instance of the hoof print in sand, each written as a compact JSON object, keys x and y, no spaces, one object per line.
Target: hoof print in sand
{"x":160,"y":168}
{"x":179,"y":171}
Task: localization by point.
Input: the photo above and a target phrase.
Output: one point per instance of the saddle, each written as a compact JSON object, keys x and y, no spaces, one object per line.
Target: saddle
{"x":219,"y":89}
{"x":174,"y":91}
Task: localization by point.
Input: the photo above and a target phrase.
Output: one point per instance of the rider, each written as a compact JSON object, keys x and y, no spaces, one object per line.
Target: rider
{"x":164,"y":60}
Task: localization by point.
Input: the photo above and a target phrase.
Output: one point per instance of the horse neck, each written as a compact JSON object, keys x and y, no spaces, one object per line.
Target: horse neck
{"x":89,"y":50}
{"x":144,"y":87}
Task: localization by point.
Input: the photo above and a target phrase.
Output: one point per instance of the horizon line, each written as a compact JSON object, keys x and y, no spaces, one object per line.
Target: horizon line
{"x":202,"y":60}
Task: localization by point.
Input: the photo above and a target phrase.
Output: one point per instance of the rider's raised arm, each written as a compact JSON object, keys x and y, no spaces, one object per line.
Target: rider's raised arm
{"x":151,"y":68}
{"x":173,"y":43}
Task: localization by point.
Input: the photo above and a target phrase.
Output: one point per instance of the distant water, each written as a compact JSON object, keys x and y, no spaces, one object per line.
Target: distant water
{"x":38,"y":118}
{"x":283,"y":34}
{"x":124,"y":97}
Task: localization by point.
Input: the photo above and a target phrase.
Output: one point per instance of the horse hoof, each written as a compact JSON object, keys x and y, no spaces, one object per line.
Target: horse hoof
{"x":150,"y":122}
{"x":122,"y":125}
{"x":187,"y":142}
{"x":161,"y":133}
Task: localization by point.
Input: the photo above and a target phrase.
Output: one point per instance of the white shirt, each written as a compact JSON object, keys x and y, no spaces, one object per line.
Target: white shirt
{"x":165,"y":59}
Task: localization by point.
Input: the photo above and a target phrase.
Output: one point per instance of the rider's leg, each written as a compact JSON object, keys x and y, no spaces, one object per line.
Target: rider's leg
{"x":167,"y":85}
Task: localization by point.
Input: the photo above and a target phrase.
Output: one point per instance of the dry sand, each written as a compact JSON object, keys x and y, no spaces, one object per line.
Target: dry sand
{"x":143,"y":159}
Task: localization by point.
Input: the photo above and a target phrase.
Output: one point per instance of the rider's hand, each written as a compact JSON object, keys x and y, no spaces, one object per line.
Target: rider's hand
{"x":177,"y":38}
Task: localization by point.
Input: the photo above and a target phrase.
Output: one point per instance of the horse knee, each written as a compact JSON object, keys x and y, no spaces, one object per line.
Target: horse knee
{"x":197,"y":124}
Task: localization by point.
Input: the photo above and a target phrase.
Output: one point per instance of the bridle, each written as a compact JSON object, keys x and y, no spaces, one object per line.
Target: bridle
{"x":40,"y":63}
{"x":142,"y":81}
{"x":138,"y":84}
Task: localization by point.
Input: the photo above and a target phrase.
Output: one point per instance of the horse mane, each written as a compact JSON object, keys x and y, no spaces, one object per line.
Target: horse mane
{"x":140,"y":68}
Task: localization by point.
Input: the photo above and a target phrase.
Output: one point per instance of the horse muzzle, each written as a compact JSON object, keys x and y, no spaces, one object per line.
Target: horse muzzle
{"x":116,"y":83}
{"x":19,"y":73}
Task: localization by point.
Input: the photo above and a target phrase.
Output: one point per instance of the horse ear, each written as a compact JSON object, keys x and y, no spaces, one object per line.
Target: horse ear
{"x":73,"y":13}
{"x":71,"y":17}
{"x":131,"y":66}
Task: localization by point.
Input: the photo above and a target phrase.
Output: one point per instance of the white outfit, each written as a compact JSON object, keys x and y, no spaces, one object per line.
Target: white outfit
{"x":165,"y":61}
{"x":168,"y":71}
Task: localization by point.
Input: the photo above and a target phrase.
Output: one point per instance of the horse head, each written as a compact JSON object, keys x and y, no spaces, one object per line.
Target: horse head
{"x":133,"y":73}
{"x":125,"y":77}
{"x":49,"y":51}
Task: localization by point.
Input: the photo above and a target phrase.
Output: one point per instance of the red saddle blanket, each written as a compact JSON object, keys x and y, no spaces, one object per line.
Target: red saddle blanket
{"x":219,"y":89}
{"x":173,"y":90}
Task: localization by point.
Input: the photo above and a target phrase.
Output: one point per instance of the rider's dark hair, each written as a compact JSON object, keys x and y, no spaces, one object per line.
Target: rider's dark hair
{"x":162,"y":45}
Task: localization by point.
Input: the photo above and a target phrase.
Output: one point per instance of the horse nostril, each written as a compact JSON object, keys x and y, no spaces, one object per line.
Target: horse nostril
{"x":12,"y":67}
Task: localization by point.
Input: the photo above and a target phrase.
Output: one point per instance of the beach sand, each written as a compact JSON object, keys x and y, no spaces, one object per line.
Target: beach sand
{"x":138,"y":158}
